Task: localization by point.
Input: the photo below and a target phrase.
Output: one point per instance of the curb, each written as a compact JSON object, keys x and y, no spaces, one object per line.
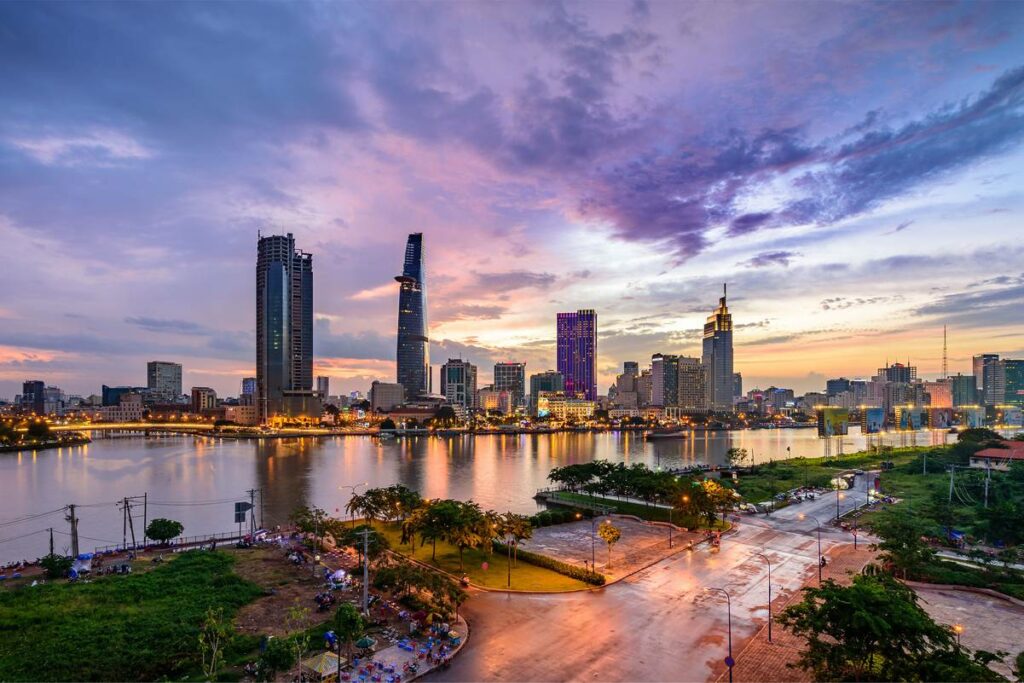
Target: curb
{"x":964,"y":589}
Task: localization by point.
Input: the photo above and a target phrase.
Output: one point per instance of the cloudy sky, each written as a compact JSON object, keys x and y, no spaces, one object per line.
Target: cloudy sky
{"x":854,"y":171}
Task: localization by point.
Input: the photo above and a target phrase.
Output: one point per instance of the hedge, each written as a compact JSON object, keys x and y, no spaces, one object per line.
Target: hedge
{"x":570,"y":570}
{"x":555,"y":516}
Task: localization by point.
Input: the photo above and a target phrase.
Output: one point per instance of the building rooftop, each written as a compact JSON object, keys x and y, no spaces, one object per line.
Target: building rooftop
{"x":1013,"y":451}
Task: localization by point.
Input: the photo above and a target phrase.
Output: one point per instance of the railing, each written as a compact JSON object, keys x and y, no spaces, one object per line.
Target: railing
{"x":179,"y":542}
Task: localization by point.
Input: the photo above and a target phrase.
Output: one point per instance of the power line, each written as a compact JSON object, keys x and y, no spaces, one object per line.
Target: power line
{"x":31,"y":533}
{"x":27,"y":518}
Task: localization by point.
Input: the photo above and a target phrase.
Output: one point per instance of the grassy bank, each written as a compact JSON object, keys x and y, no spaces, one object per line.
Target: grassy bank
{"x":525,"y":576}
{"x":996,"y":578}
{"x":122,"y":628}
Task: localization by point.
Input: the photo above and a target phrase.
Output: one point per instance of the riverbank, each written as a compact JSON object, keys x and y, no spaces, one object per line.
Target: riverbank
{"x":79,"y":440}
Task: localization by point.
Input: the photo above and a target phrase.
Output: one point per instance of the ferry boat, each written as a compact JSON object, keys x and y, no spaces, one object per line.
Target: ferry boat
{"x":670,"y":433}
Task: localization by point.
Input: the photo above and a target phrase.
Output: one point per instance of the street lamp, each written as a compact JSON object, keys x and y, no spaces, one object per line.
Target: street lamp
{"x":353,"y":488}
{"x":958,"y":629}
{"x":817,"y":524}
{"x":729,"y":661}
{"x":838,"y":496}
{"x":769,"y":563}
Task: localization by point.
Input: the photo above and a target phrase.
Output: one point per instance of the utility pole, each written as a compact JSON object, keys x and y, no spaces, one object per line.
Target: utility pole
{"x":261,"y":508}
{"x":952,"y":470}
{"x":252,"y":513}
{"x":988,"y":478}
{"x":145,"y":519}
{"x":365,"y":533}
{"x":51,"y":540}
{"x":73,"y":520}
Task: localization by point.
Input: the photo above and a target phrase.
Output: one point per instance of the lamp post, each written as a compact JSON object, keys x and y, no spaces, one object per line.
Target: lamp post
{"x":769,"y":563}
{"x":838,"y":497}
{"x":729,"y":661}
{"x":817,"y":524}
{"x":593,"y":543}
{"x":958,"y":629}
{"x":353,"y":488}
{"x":670,"y":526}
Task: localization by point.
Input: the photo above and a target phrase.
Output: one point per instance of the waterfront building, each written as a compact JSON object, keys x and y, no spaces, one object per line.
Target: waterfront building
{"x":511,"y":377}
{"x":1013,"y":382}
{"x":203,"y":398}
{"x":577,"y":352}
{"x":384,"y":396}
{"x":323,"y":386}
{"x":718,"y":356}
{"x":129,"y":408}
{"x":163,"y":379}
{"x":413,"y":358}
{"x":566,"y":408}
{"x":493,"y":399}
{"x":990,"y":382}
{"x":693,"y":385}
{"x":644,"y":388}
{"x":458,"y":382}
{"x":550,"y":381}
{"x":284,"y":329}
{"x":964,"y":390}
{"x":33,"y":397}
{"x":737,"y":385}
{"x":664,"y":380}
{"x":246,"y":415}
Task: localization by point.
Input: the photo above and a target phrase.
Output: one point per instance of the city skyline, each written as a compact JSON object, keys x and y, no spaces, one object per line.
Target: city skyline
{"x":855,"y":207}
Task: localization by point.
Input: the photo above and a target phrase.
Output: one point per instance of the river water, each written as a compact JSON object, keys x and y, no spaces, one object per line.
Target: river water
{"x":196,"y":480}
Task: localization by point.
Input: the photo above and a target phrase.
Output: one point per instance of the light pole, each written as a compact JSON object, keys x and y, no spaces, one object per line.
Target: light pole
{"x":958,"y":629}
{"x":353,"y":488}
{"x":593,"y":544}
{"x":769,"y":563}
{"x":838,"y":497}
{"x":729,"y":661}
{"x":817,"y":524}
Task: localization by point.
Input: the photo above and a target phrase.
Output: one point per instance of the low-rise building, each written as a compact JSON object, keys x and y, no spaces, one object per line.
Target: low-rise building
{"x":385,"y":396}
{"x":999,"y":458}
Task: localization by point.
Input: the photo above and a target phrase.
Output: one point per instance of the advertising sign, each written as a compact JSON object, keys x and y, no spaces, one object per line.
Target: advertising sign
{"x":973,"y":417}
{"x":872,"y":420}
{"x":909,"y":418}
{"x":833,"y":421}
{"x":940,"y":418}
{"x":1012,"y":417}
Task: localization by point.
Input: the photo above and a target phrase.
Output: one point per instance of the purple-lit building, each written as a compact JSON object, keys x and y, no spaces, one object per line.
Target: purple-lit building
{"x":577,"y":352}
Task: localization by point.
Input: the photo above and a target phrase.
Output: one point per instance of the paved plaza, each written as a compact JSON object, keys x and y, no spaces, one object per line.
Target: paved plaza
{"x":641,"y":544}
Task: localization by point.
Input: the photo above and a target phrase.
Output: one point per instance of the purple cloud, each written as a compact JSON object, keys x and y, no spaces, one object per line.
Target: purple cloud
{"x":771,"y":258}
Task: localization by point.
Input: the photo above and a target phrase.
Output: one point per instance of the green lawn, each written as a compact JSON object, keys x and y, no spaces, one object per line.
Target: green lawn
{"x":139,"y":627}
{"x":525,"y":576}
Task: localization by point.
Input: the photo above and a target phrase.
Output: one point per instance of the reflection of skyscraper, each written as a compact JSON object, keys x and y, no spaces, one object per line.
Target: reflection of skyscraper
{"x":718,"y":356}
{"x":577,"y":352}
{"x":284,"y":327}
{"x":413,"y":345}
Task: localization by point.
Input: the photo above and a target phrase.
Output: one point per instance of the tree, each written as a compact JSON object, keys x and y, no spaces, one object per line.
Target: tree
{"x":610,"y":534}
{"x":38,"y":429}
{"x":519,"y":528}
{"x":737,"y":456}
{"x":387,"y":425}
{"x":464,"y":528}
{"x":278,"y":655}
{"x":376,"y":544}
{"x":445,"y":417}
{"x":874,"y":629}
{"x":56,"y":566}
{"x":214,"y":634}
{"x":349,"y":626}
{"x":163,"y":530}
{"x":902,"y":545}
{"x":296,"y":623}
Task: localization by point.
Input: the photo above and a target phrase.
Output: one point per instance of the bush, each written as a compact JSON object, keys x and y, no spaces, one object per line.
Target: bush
{"x":564,"y":568}
{"x":56,"y":566}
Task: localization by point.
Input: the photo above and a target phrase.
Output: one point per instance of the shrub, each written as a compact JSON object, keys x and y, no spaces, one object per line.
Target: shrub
{"x":56,"y":566}
{"x":564,"y":568}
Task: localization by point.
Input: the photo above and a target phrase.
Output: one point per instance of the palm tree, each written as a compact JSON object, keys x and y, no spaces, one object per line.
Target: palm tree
{"x":348,"y":626}
{"x":357,"y":503}
{"x":463,"y":530}
{"x":520,"y":529}
{"x":492,"y":525}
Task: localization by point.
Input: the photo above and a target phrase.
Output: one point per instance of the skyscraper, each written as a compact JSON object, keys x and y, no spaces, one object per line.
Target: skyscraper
{"x":549,"y":381}
{"x":413,"y":345}
{"x":631,"y":367}
{"x":511,"y":377}
{"x":664,"y":380}
{"x":1013,"y":382}
{"x":164,"y":380}
{"x":323,"y":385}
{"x":284,"y":328}
{"x":717,"y":356}
{"x":577,"y":352}
{"x":988,"y":373}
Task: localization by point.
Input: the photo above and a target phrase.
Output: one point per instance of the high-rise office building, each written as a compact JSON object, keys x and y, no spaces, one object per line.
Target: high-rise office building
{"x":898,"y":372}
{"x":631,"y":367}
{"x":837,"y":386}
{"x":323,"y":386}
{"x":163,"y":380}
{"x":664,"y":380}
{"x":737,"y":385}
{"x":693,"y":384}
{"x":458,"y":382}
{"x":717,"y":356}
{"x":33,"y":396}
{"x":577,"y":352}
{"x":248,"y":386}
{"x":549,"y":381}
{"x":284,"y":329}
{"x":986,"y":374}
{"x":511,"y":377}
{"x":413,"y":345}
{"x":1013,"y":382}
{"x":203,"y":398}
{"x":964,"y":389}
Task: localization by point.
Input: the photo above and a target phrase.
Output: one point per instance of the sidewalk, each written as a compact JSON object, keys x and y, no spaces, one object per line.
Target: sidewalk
{"x":759,"y":660}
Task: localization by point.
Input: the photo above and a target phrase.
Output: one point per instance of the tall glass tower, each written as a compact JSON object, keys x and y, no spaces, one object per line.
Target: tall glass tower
{"x":717,"y":356}
{"x":577,"y":352}
{"x":284,"y":323}
{"x":413,"y":345}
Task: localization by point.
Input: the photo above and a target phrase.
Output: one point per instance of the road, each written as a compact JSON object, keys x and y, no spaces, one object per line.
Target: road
{"x":657,"y":625}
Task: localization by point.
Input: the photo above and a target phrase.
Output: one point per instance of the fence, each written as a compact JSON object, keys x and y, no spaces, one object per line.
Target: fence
{"x":179,"y":542}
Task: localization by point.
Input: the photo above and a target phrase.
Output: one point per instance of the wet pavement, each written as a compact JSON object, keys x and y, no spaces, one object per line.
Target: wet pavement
{"x":657,"y":625}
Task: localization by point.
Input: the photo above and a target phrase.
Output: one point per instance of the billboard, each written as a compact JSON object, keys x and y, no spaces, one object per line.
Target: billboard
{"x":909,"y":418}
{"x":973,"y":417}
{"x":940,"y":418}
{"x":872,"y":420}
{"x":1012,"y":416}
{"x":833,"y":421}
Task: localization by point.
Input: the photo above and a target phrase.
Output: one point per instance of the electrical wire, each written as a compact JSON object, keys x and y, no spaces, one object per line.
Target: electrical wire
{"x":27,"y":518}
{"x":31,"y":533}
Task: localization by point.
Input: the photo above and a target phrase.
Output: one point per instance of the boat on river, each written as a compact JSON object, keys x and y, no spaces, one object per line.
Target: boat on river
{"x":668,"y":433}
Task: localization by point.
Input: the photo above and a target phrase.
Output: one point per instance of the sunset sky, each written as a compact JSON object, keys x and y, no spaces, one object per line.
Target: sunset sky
{"x":854,"y":171}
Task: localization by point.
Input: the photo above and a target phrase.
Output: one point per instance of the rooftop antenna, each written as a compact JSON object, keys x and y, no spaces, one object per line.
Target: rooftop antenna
{"x":945,"y":365}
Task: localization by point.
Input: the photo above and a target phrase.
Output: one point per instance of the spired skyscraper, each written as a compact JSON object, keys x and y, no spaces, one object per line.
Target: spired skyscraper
{"x":577,"y":352}
{"x":717,"y":356}
{"x":284,"y":329}
{"x":413,"y":344}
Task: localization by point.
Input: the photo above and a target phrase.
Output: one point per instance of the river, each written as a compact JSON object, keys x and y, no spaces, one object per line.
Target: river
{"x":196,"y":479}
